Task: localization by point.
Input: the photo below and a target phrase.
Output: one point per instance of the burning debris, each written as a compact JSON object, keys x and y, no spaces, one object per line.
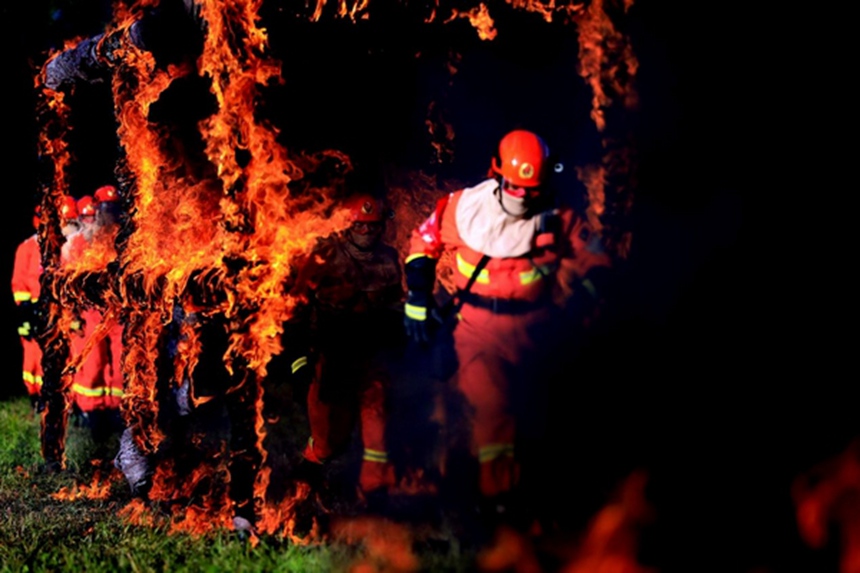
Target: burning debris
{"x":214,"y":224}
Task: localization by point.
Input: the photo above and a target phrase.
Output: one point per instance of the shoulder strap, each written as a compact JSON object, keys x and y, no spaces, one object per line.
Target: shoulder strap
{"x":472,"y":278}
{"x":453,"y":304}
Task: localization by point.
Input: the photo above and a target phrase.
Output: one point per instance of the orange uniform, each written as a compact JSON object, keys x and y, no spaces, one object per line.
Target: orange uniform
{"x":355,"y":296}
{"x":536,"y":265}
{"x":97,"y":384}
{"x":25,"y":289}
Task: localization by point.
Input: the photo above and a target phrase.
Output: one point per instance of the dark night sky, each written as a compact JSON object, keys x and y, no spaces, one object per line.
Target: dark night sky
{"x":724,"y":374}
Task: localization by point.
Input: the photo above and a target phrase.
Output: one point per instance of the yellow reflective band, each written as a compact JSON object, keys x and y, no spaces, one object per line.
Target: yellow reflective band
{"x":589,"y":286}
{"x":415,"y":312}
{"x":23,"y":296}
{"x":90,"y":392}
{"x":493,"y":451}
{"x":467,"y":270}
{"x":38,"y":380}
{"x":29,"y":377}
{"x":116,"y":392}
{"x":530,"y":276}
{"x":375,"y":456}
{"x":298,"y":363}
{"x":414,"y":256}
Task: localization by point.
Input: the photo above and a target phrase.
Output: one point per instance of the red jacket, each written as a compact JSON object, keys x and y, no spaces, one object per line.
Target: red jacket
{"x":528,"y":261}
{"x":27,"y":270}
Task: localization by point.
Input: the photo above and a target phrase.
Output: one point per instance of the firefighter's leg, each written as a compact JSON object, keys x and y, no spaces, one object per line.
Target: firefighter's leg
{"x":377,"y":471}
{"x":32,"y":370}
{"x":483,"y":378}
{"x":330,"y":426}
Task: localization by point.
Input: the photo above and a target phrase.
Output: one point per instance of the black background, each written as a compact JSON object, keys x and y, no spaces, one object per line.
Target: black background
{"x":725,"y":374}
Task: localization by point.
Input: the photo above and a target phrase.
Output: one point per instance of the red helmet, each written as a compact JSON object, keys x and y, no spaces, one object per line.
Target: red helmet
{"x":522,"y":158}
{"x":106,"y":194}
{"x":86,"y":206}
{"x":68,"y":208}
{"x":366,"y":208}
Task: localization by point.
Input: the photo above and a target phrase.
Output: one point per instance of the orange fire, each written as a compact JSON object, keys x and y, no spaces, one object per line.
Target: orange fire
{"x":99,"y":488}
{"x":241,"y":227}
{"x":609,"y":66}
{"x":828,"y":496}
{"x":387,"y":545}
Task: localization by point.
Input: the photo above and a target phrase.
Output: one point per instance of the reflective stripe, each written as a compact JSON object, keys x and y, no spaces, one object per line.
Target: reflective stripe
{"x":492,"y":451}
{"x":31,"y":378}
{"x":415,"y":312}
{"x":23,"y":296}
{"x":467,"y":269}
{"x":298,"y":363}
{"x":96,"y":392}
{"x":375,"y":456}
{"x":414,"y":256}
{"x":589,"y":286}
{"x":530,"y":276}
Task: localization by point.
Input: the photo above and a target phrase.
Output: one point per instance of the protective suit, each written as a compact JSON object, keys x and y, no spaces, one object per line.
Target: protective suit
{"x":540,"y":265}
{"x":353,"y":284}
{"x":25,"y":289}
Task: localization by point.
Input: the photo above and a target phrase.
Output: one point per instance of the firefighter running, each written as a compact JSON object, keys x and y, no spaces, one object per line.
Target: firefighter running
{"x":541,"y":262}
{"x":353,"y":285}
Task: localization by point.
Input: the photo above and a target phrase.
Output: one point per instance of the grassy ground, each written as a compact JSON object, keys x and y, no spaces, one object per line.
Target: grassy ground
{"x":41,"y":533}
{"x":73,"y":520}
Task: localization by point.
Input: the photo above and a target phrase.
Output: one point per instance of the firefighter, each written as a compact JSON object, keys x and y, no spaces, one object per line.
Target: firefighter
{"x":353,"y":284}
{"x":97,"y":385}
{"x":519,"y":263}
{"x":26,"y":274}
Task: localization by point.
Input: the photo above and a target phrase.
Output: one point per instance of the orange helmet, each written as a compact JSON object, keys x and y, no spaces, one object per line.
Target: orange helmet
{"x":86,"y":206}
{"x":106,"y":194}
{"x":366,"y":208}
{"x":68,"y":208}
{"x":522,"y":158}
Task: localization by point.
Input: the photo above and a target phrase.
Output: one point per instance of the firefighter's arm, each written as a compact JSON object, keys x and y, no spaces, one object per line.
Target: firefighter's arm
{"x":25,"y":304}
{"x":420,"y":269}
{"x":585,"y":273}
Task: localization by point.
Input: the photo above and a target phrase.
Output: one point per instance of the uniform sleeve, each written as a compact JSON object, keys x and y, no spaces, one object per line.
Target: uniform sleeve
{"x":22,"y":283}
{"x":585,"y":265}
{"x":425,"y":248}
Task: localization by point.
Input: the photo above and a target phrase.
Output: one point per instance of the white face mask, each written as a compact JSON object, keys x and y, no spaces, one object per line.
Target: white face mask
{"x":513,"y":206}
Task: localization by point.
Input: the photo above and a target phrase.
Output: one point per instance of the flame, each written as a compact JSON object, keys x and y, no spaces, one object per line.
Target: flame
{"x":479,"y":17}
{"x":387,"y":545}
{"x":611,"y":542}
{"x":609,"y":66}
{"x":280,"y":518}
{"x":239,"y":225}
{"x":99,"y":488}
{"x":137,"y":513}
{"x":829,"y":495}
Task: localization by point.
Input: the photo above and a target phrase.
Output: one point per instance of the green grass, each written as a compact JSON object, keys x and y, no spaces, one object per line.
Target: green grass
{"x":41,"y":533}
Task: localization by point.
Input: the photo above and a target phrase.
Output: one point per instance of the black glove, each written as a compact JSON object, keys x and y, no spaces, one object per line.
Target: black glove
{"x":420,"y":278}
{"x":27,"y":319}
{"x":416,"y":312}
